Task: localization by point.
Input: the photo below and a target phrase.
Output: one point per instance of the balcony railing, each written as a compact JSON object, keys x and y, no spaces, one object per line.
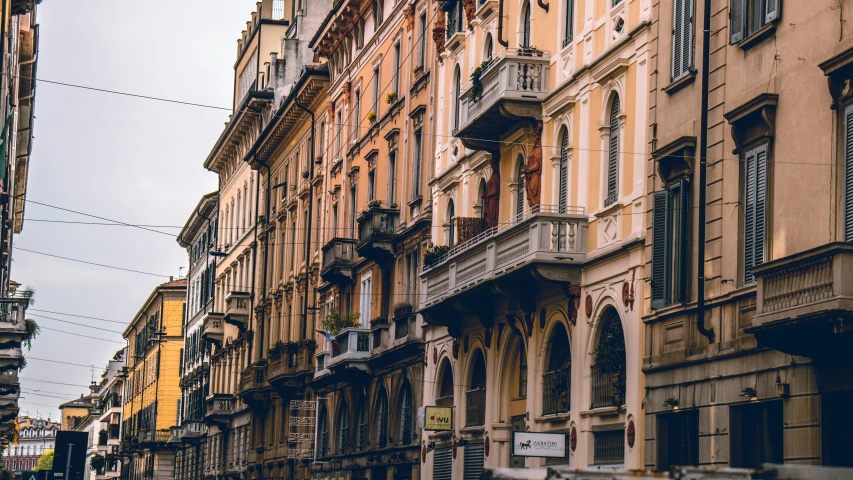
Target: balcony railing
{"x":191,"y":429}
{"x":252,"y":379}
{"x":556,"y":393}
{"x":475,"y":407}
{"x":220,"y":405}
{"x":377,"y":227}
{"x":608,"y":389}
{"x":237,"y":305}
{"x":296,"y":359}
{"x":212,"y":327}
{"x":154,"y":436}
{"x":515,"y":76}
{"x":113,"y":432}
{"x":531,"y":237}
{"x":609,"y":447}
{"x":338,"y":260}
{"x":354,"y":344}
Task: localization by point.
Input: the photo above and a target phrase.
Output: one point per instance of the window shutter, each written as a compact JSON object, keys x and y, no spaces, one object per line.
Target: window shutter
{"x":687,"y":38}
{"x":760,"y":203}
{"x":519,"y":199}
{"x":771,"y":10}
{"x":474,"y":461}
{"x":755,"y":201}
{"x":848,"y":174}
{"x":684,"y":240}
{"x":737,"y":20}
{"x":563,"y":201}
{"x":570,"y":23}
{"x":677,"y":38}
{"x":442,"y":464}
{"x":613,"y":160}
{"x":659,"y":236}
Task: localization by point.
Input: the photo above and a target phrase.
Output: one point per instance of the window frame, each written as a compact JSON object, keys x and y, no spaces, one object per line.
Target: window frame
{"x":755,"y":244}
{"x":671,"y":243}
{"x":683,"y":41}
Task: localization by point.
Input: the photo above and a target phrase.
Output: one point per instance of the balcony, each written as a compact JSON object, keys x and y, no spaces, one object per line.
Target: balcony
{"x":322,"y":362}
{"x":220,"y":406}
{"x":475,"y":407}
{"x":152,"y":437}
{"x":376,"y":229}
{"x":193,"y":430}
{"x":253,"y":380}
{"x":521,"y":255}
{"x":805,"y":302}
{"x":212,"y":328}
{"x":338,"y":260}
{"x":513,"y":86}
{"x":608,"y":389}
{"x":296,"y":359}
{"x":237,"y":306}
{"x":20,"y":7}
{"x":556,"y":391}
{"x":353,"y":348}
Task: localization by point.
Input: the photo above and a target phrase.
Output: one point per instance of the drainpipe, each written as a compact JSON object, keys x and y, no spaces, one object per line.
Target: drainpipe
{"x":703,"y":166}
{"x":304,"y":326}
{"x":501,"y":40}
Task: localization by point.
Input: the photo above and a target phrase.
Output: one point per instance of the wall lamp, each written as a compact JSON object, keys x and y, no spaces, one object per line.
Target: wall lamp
{"x":749,"y":393}
{"x":671,"y":402}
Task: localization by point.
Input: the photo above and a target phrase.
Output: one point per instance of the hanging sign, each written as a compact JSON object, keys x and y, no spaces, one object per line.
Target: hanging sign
{"x":438,"y":419}
{"x":527,"y":444}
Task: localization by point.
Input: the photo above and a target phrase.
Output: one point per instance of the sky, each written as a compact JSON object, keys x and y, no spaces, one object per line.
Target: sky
{"x":133,"y":160}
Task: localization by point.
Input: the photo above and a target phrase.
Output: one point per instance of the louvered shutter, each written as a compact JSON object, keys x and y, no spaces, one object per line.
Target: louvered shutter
{"x":659,"y":248}
{"x":474,"y":461}
{"x":771,"y":10}
{"x":442,"y":464}
{"x":755,"y":205}
{"x":563,"y":201}
{"x":687,"y":37}
{"x":760,"y":203}
{"x":613,"y":157}
{"x":684,"y":240}
{"x":848,"y":173}
{"x":519,"y":199}
{"x":737,"y":20}
{"x":677,"y":38}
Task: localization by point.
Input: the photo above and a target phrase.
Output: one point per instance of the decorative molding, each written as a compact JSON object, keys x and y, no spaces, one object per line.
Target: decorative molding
{"x":753,"y":120}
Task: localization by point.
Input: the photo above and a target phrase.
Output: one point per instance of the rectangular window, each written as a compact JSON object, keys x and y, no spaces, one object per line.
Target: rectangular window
{"x":371,"y":186}
{"x":755,"y":210}
{"x":609,"y":447}
{"x":670,"y":261}
{"x":395,"y":83}
{"x":682,"y":38}
{"x":749,"y":16}
{"x":570,"y":23}
{"x":352,"y":211}
{"x":848,"y":173}
{"x":392,"y":176}
{"x":474,"y":460}
{"x":338,"y":136}
{"x":417,"y":166}
{"x":755,"y":434}
{"x":422,"y":27}
{"x":335,"y":220}
{"x":364,"y":299}
{"x":376,"y":92}
{"x":442,"y":464}
{"x":678,"y":439}
{"x":356,"y":116}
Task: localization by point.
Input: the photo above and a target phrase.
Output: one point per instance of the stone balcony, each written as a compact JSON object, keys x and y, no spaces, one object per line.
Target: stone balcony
{"x":153,"y":437}
{"x":253,"y":381}
{"x":352,"y":350}
{"x":512,"y":260}
{"x":193,"y":430}
{"x":377,"y":227}
{"x":237,"y":308}
{"x":296,"y":360}
{"x":338,"y":260}
{"x":514,"y":85}
{"x":213,"y":327}
{"x":220,"y":406}
{"x":804,"y":302}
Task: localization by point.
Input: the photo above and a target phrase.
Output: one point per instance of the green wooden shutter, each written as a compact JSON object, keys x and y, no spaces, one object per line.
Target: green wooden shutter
{"x":737,"y":20}
{"x":659,"y":248}
{"x":613,"y":157}
{"x":684,"y":240}
{"x":848,"y":173}
{"x":755,"y":206}
{"x":772,"y":10}
{"x":563,"y":201}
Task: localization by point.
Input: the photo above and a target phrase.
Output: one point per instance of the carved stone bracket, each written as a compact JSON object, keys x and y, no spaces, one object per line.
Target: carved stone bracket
{"x":470,"y":7}
{"x":754,"y":120}
{"x":839,"y":72}
{"x":438,"y":33}
{"x":676,"y":159}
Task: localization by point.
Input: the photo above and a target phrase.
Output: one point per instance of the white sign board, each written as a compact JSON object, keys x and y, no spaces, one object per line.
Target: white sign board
{"x":528,"y":444}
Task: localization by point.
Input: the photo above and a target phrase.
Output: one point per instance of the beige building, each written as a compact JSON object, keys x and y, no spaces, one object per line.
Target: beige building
{"x":539,"y":195}
{"x":750,"y":215}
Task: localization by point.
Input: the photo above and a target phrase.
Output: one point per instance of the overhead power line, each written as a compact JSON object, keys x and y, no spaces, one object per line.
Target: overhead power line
{"x":80,"y":335}
{"x":91,"y":263}
{"x":75,"y":323}
{"x":73,"y":315}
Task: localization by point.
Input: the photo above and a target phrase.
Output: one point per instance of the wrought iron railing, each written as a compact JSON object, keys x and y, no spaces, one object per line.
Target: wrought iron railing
{"x":475,"y":407}
{"x":556,"y":391}
{"x":609,"y":447}
{"x":608,"y":389}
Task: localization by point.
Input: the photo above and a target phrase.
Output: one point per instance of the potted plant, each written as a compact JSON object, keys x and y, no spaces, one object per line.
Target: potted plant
{"x":371,"y":116}
{"x":391,"y":98}
{"x":97,"y":463}
{"x":434,"y":253}
{"x":476,"y":83}
{"x":402,"y":308}
{"x":102,"y":437}
{"x":277,"y":350}
{"x":335,"y":322}
{"x":378,"y":321}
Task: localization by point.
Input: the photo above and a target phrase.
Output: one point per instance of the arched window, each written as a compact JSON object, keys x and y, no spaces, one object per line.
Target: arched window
{"x":557,"y":379}
{"x":451,"y":220}
{"x":361,"y":431}
{"x":481,"y":195}
{"x":608,"y":370}
{"x":521,"y":361}
{"x":525,"y":25}
{"x":613,"y":155}
{"x":475,"y":397}
{"x":343,"y":428}
{"x":457,"y":92}
{"x":380,"y":418}
{"x":569,"y":27}
{"x":406,"y":410}
{"x":323,"y":433}
{"x":519,"y":199}
{"x":489,"y":47}
{"x":445,"y":392}
{"x":563,"y":191}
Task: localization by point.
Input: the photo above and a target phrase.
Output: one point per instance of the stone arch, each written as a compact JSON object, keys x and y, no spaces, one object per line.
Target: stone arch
{"x":525,"y":24}
{"x":608,"y":359}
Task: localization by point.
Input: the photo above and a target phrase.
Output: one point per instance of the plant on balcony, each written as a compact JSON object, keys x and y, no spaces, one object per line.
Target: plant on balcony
{"x":102,"y":437}
{"x":277,"y":350}
{"x":335,"y":322}
{"x":448,"y":5}
{"x":97,"y":463}
{"x":476,"y":82}
{"x":609,"y":355}
{"x":378,"y":321}
{"x":32,"y":331}
{"x":371,"y":116}
{"x":433,"y":253}
{"x":309,"y":343}
{"x":402,"y":308}
{"x":530,"y":51}
{"x":391,"y":98}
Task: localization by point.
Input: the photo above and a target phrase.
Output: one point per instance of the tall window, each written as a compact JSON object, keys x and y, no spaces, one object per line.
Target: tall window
{"x":366,"y":294}
{"x":569,"y":26}
{"x":417,"y":167}
{"x":522,"y":373}
{"x":376,"y":90}
{"x":754,"y":210}
{"x":613,"y":155}
{"x":678,"y":439}
{"x":361,"y":434}
{"x":682,"y":38}
{"x":392,"y":176}
{"x":352,"y":210}
{"x":475,"y":397}
{"x":339,"y":135}
{"x":356,"y":115}
{"x":671,"y":223}
{"x":749,"y":16}
{"x":608,"y":370}
{"x":848,"y":173}
{"x":323,"y":433}
{"x":377,"y":14}
{"x":406,"y":414}
{"x":457,"y":92}
{"x":343,"y":428}
{"x":525,"y":25}
{"x":755,"y":435}
{"x":451,"y":214}
{"x":335,"y":220}
{"x":519,"y":185}
{"x":563,"y":191}
{"x":422,"y":27}
{"x":556,"y":381}
{"x":395,"y":83}
{"x":371,"y":185}
{"x":380,"y":418}
{"x":489,"y":47}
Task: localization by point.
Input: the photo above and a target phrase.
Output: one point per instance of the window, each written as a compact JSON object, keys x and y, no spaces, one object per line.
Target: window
{"x":754,"y":210}
{"x":335,"y":220}
{"x":457,"y":93}
{"x":569,"y":26}
{"x":418,"y":156}
{"x":848,"y":173}
{"x":340,"y":133}
{"x":371,"y":185}
{"x":359,"y":35}
{"x":474,"y":460}
{"x":671,"y":224}
{"x":343,"y":428}
{"x":395,"y":82}
{"x":422,"y":27}
{"x":682,"y":38}
{"x":475,"y":397}
{"x":556,"y":381}
{"x":392,"y":176}
{"x":489,"y":47}
{"x":563,"y":192}
{"x":522,"y":373}
{"x":406,"y":414}
{"x":381,"y":419}
{"x":678,"y":439}
{"x":609,"y":446}
{"x":352,"y":210}
{"x":361,"y":439}
{"x":323,"y":433}
{"x":376,"y":91}
{"x":613,"y":155}
{"x":608,"y":371}
{"x":749,"y":16}
{"x":356,"y":116}
{"x":519,"y":185}
{"x":525,"y":25}
{"x":377,"y":14}
{"x":366,"y":293}
{"x":755,"y":434}
{"x":451,"y":234}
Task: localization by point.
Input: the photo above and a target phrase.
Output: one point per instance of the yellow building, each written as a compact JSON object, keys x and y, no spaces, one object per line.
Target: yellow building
{"x":152,"y":388}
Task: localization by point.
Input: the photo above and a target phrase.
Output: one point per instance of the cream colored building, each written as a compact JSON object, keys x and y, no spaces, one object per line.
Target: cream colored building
{"x":539,"y":191}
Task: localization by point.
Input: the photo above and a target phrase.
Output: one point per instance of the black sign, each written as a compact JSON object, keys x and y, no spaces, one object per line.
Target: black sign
{"x":34,"y":475}
{"x":69,"y":456}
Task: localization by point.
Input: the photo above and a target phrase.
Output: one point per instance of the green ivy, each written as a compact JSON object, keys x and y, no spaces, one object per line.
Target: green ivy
{"x":476,"y":82}
{"x":609,"y":354}
{"x":335,"y":322}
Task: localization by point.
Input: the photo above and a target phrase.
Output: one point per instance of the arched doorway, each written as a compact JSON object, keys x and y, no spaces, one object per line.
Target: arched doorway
{"x":557,"y":379}
{"x":515,"y":391}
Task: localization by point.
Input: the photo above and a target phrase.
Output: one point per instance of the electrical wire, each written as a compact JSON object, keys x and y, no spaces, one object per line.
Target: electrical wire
{"x":90,"y":263}
{"x":28,"y":358}
{"x":73,"y":315}
{"x":80,"y":335}
{"x":75,"y":323}
{"x":37,"y":380}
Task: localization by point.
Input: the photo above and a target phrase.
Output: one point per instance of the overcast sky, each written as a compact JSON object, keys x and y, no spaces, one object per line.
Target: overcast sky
{"x":134,"y":160}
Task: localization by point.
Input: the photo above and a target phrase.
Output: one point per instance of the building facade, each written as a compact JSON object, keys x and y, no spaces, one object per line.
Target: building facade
{"x":35,"y":436}
{"x":152,"y":389}
{"x":748,"y":313}
{"x":198,"y":237}
{"x":104,"y":461}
